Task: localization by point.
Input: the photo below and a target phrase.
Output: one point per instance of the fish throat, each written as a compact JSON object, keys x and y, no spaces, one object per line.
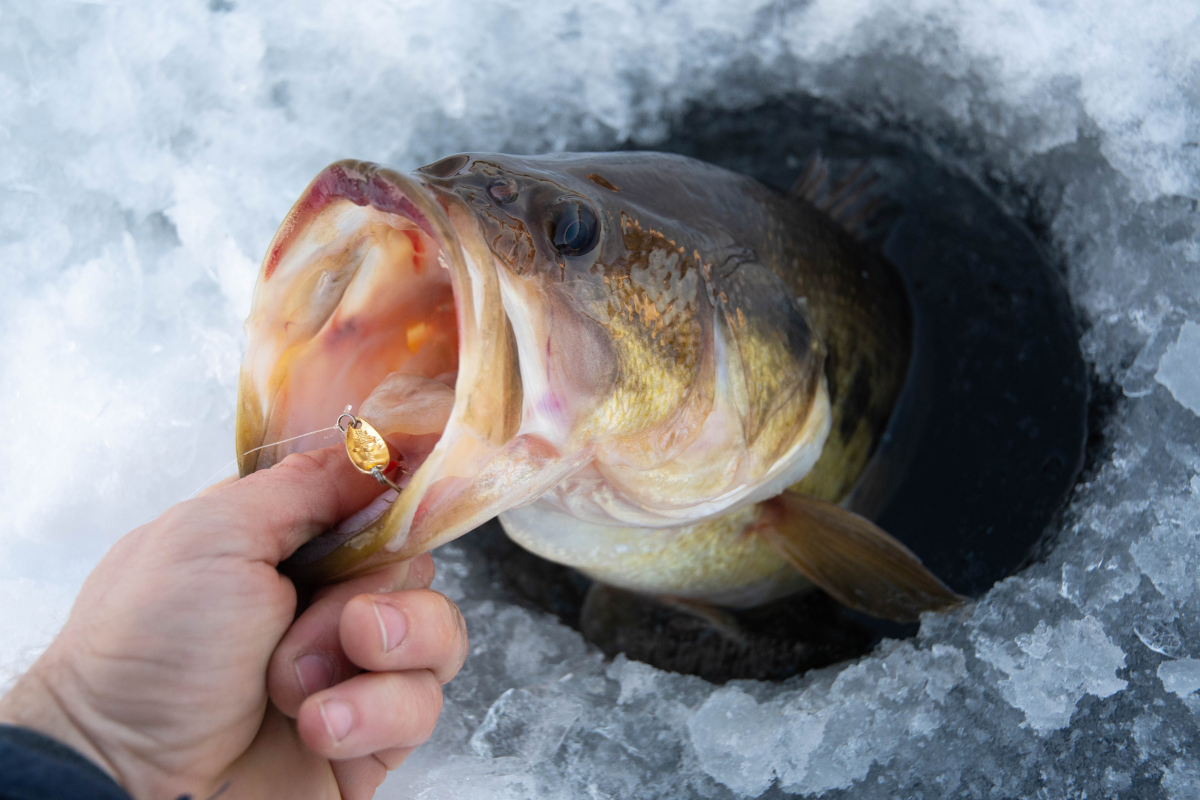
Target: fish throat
{"x":369,"y":322}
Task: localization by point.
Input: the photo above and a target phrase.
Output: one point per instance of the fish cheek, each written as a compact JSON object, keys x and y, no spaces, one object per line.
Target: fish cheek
{"x":581,"y":361}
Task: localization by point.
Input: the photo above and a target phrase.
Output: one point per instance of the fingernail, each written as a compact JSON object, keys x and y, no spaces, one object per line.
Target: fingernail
{"x":338,"y":718}
{"x":314,"y":671}
{"x":392,"y":625}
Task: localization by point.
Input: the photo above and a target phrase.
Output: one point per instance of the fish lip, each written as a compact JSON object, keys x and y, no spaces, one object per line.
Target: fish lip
{"x":362,"y":183}
{"x":367,"y":184}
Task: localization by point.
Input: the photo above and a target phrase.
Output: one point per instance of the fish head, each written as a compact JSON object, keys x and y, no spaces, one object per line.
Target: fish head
{"x":522,"y":329}
{"x":382,"y":292}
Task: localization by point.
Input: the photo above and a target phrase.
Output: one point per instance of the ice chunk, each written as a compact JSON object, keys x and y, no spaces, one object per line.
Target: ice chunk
{"x":1179,"y":368}
{"x":1181,"y":779}
{"x":528,"y":724}
{"x":825,"y":738}
{"x":746,"y":746}
{"x":1170,"y":554}
{"x":1161,"y":637}
{"x":639,"y":682}
{"x":1051,"y":668}
{"x":1180,"y":677}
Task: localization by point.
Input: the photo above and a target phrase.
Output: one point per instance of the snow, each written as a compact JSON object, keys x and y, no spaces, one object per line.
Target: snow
{"x":148,"y":150}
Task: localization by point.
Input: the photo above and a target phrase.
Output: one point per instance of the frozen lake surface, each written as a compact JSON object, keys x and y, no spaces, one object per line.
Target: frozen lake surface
{"x":149,"y":150}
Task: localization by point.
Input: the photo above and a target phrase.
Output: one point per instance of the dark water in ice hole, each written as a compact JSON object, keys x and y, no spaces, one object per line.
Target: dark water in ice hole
{"x":1007,"y":421}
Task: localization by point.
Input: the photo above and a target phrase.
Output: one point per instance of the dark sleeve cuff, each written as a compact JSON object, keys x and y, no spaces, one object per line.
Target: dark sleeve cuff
{"x":36,"y":767}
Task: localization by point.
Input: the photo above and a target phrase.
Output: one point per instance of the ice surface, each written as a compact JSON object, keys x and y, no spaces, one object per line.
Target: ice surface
{"x":1179,"y":367}
{"x":149,"y":150}
{"x":1050,"y":669}
{"x":1181,"y":678}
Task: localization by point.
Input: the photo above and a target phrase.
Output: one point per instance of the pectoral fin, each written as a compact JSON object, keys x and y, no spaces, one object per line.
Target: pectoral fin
{"x":849,"y":557}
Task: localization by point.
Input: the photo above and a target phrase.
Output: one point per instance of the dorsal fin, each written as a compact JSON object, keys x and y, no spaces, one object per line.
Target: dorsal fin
{"x":850,"y":202}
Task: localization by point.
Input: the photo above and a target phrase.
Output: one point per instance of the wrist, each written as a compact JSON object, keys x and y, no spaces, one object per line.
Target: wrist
{"x":34,"y":704}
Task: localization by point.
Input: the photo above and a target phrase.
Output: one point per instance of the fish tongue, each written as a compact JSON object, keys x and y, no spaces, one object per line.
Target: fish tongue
{"x":411,"y":412}
{"x":410,"y":404}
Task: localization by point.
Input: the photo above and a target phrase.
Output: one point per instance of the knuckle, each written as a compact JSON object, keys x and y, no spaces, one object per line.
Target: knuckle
{"x":429,"y":702}
{"x":184,"y":531}
{"x":459,"y":633}
{"x":179,"y":521}
{"x":419,"y":696}
{"x":392,"y":757}
{"x":425,"y":692}
{"x":299,"y":464}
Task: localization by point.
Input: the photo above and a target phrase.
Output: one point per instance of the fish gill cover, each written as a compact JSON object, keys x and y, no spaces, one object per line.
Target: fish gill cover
{"x":149,"y":150}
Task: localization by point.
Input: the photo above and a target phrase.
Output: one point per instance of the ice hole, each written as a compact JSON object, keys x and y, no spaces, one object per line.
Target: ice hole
{"x":1008,"y":396}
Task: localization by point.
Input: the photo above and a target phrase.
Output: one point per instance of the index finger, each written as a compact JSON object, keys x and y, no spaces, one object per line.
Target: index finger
{"x":268,"y":514}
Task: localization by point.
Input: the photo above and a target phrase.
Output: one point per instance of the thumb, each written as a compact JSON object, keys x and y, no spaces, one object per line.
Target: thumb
{"x":269,"y":514}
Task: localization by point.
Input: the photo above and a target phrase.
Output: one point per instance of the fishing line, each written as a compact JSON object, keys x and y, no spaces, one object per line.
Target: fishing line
{"x":234,"y":460}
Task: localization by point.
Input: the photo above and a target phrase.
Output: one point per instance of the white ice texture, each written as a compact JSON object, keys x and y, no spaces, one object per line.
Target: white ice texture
{"x":149,"y":149}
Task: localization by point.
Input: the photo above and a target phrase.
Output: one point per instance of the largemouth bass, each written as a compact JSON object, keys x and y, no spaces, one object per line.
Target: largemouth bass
{"x":654,"y":370}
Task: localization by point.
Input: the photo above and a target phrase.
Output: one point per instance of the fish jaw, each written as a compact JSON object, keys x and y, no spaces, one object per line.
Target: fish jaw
{"x":368,"y":276}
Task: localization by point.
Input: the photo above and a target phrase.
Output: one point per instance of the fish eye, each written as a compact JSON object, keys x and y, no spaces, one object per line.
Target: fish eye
{"x":574,"y":228}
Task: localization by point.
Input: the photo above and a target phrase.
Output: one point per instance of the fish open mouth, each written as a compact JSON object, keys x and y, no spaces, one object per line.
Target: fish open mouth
{"x":353,"y":302}
{"x":369,"y":298}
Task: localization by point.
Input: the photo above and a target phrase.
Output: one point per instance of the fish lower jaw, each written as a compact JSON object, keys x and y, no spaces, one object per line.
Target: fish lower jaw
{"x":434,"y":372}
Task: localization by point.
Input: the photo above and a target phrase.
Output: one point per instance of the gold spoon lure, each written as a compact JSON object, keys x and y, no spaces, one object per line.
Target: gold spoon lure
{"x":367,"y":449}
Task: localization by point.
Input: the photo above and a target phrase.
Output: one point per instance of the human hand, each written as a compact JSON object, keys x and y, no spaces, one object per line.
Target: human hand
{"x":182,"y":660}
